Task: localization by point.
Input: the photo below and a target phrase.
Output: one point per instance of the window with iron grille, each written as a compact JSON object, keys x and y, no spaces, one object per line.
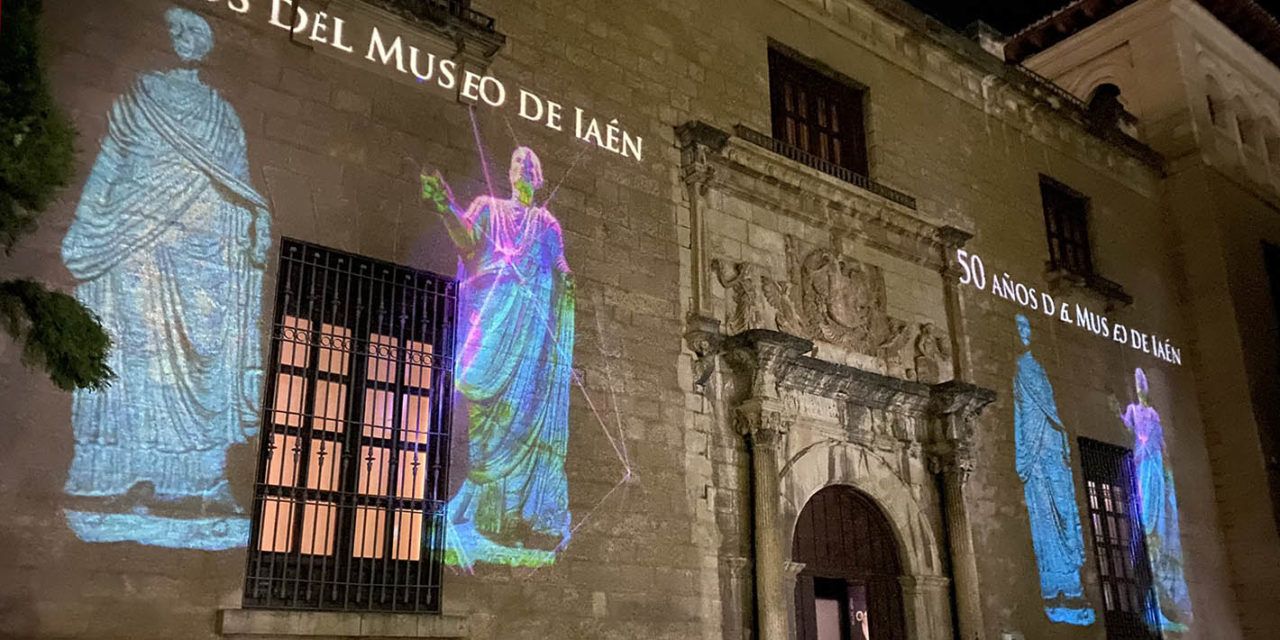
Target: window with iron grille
{"x":817,"y":113}
{"x":354,"y":451}
{"x":1066,"y":223}
{"x":1121,"y":552}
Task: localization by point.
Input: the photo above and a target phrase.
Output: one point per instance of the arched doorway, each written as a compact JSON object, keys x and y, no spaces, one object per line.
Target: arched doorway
{"x":849,"y":588}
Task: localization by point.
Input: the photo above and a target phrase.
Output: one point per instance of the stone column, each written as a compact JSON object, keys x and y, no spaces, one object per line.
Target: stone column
{"x":955,"y":470}
{"x":764,"y":428}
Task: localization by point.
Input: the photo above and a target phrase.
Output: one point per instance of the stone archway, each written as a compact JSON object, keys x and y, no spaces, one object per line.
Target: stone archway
{"x":850,"y":585}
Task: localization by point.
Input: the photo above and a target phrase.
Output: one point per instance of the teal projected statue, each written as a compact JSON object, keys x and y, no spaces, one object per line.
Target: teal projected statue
{"x":514,"y":366}
{"x":1158,"y":508}
{"x":1044,"y":465}
{"x":168,"y":244}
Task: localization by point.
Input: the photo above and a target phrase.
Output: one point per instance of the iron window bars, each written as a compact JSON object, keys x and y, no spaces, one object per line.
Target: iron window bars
{"x":1066,"y":223}
{"x":353,"y":464}
{"x":1119,"y":545}
{"x":816,"y":113}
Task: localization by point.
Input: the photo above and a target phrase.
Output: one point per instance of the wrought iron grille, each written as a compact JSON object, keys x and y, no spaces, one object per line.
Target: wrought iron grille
{"x":1121,"y":551}
{"x":814,"y":162}
{"x":354,"y":451}
{"x":439,"y":11}
{"x":1066,"y":223}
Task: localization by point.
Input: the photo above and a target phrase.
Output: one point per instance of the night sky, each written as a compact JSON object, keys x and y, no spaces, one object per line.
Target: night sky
{"x":1008,"y":15}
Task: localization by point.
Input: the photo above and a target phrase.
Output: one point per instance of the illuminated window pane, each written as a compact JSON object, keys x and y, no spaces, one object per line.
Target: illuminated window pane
{"x":290,"y":392}
{"x":412,"y":481}
{"x":417,"y":367}
{"x":415,"y":419}
{"x":335,"y":349}
{"x":408,"y":535}
{"x":295,"y":342}
{"x":282,"y":460}
{"x":276,"y":532}
{"x":382,"y":358}
{"x":324,"y":471}
{"x":375,"y":468}
{"x":330,"y":406}
{"x":317,"y":528}
{"x":369,"y":536}
{"x":379,"y":413}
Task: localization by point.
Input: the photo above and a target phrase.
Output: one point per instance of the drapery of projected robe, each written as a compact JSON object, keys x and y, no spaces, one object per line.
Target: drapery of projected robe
{"x":168,"y":244}
{"x":1044,"y":465}
{"x":1158,"y":507}
{"x":515,"y":359}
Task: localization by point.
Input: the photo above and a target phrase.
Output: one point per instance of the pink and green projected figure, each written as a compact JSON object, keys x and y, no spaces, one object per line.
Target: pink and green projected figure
{"x":514,"y":367}
{"x":1158,"y":509}
{"x":1044,"y":466}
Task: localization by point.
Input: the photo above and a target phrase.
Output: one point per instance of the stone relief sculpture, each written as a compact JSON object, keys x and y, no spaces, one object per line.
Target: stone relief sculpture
{"x":932,"y":354}
{"x":743,"y":281}
{"x":168,"y":245}
{"x":833,"y":298}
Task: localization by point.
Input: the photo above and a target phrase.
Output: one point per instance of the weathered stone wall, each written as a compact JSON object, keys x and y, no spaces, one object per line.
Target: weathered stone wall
{"x":337,"y":147}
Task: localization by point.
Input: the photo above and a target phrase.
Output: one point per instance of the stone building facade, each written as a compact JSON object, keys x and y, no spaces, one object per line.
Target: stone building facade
{"x":764,"y":375}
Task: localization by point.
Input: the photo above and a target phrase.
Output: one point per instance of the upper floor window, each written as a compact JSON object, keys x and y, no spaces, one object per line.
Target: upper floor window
{"x":1119,"y":547}
{"x":354,"y":452}
{"x":817,"y":113}
{"x":1066,"y":222}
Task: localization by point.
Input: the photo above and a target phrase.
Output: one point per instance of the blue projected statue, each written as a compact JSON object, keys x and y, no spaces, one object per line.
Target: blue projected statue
{"x":1158,"y":507}
{"x":1044,"y":465}
{"x":515,"y":358}
{"x":168,"y":244}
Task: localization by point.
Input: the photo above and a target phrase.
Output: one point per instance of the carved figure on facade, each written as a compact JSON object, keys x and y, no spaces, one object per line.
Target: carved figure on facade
{"x":831,"y":297}
{"x":743,"y":282}
{"x":932,"y":354}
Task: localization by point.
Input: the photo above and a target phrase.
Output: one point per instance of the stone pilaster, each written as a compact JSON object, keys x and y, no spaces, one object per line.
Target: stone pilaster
{"x":791,"y":571}
{"x":951,"y":239}
{"x":957,"y":406}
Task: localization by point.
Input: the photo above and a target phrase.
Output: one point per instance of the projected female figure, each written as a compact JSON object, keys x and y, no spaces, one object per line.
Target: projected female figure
{"x":515,"y":356}
{"x":1044,"y":465}
{"x":168,"y":244}
{"x":1158,"y":506}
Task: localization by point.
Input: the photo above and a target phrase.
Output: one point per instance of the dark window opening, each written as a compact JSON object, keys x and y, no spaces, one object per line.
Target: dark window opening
{"x":1118,"y":543}
{"x":1066,"y":222}
{"x":816,"y":113}
{"x":354,"y":451}
{"x":1270,"y":426}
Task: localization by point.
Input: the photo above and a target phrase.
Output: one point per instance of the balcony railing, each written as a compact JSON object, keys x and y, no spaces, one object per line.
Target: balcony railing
{"x":830,"y":168}
{"x":440,"y":12}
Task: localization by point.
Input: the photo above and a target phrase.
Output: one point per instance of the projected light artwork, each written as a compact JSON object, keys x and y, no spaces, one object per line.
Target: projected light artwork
{"x":1044,"y":465}
{"x":168,"y":245}
{"x":514,"y":368}
{"x":1158,"y":508}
